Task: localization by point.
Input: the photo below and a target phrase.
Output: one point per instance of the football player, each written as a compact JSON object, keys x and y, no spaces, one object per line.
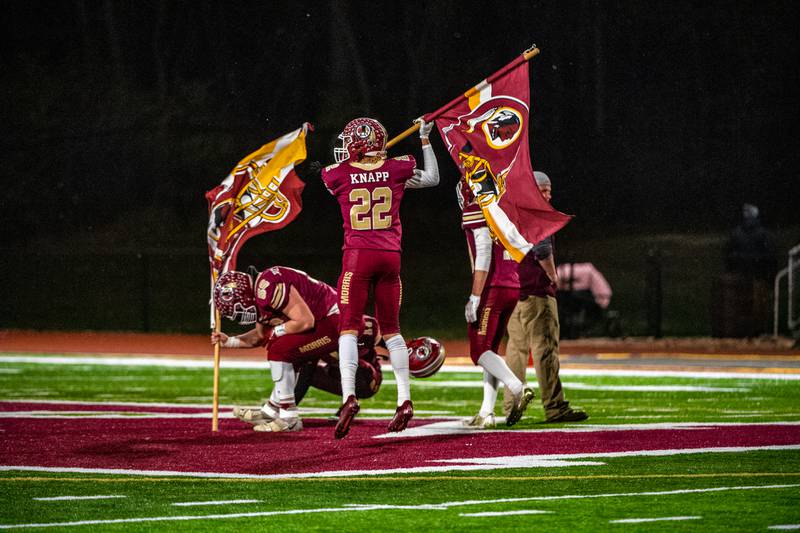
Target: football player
{"x":495,"y":290}
{"x":295,"y":317}
{"x":369,"y":188}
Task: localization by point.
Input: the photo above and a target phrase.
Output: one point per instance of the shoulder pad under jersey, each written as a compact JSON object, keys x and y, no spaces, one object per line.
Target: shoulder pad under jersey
{"x":331,"y":167}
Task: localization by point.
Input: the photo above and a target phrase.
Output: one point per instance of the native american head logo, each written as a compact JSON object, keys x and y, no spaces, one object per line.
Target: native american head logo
{"x":502,"y":127}
{"x":485,"y":185}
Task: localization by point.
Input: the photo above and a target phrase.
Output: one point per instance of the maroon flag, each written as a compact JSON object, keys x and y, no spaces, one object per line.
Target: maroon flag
{"x":486,"y":132}
{"x":262,"y":193}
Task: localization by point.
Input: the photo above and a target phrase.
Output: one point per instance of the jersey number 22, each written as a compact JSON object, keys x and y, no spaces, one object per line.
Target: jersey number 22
{"x":371,"y":211}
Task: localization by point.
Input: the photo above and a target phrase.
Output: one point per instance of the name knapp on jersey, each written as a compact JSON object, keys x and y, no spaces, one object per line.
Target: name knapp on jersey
{"x":368,"y":177}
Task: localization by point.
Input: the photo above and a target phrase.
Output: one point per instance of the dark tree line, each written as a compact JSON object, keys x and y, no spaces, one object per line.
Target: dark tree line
{"x":118,"y":115}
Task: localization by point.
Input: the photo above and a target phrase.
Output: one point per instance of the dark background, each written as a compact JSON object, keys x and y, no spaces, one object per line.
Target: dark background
{"x":651,"y":118}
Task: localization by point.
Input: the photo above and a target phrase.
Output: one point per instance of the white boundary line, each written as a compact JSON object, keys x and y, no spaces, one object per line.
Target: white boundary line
{"x":368,"y":507}
{"x":71,"y":498}
{"x":693,"y":373}
{"x":505,"y":513}
{"x":216,"y":502}
{"x":661,"y":519}
{"x":445,"y":465}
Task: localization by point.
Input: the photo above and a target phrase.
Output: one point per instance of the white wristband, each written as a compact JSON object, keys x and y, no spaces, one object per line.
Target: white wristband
{"x":279,"y":330}
{"x":233,"y":342}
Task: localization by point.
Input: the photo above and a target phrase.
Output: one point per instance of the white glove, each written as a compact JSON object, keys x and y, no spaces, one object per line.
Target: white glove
{"x":471,"y":309}
{"x":424,"y":128}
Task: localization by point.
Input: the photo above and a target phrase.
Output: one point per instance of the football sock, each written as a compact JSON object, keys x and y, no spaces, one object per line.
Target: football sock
{"x":283,"y":377}
{"x":272,"y":406}
{"x":348,"y":363}
{"x":489,"y":394}
{"x":494,"y":364}
{"x":398,"y":355}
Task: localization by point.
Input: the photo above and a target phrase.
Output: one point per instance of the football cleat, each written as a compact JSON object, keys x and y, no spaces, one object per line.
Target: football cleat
{"x":280,"y":424}
{"x":252,"y":415}
{"x":347,"y":412}
{"x":520,"y":404}
{"x":425,"y":356}
{"x":480,"y":422}
{"x":234,"y":297}
{"x":402,"y":415}
{"x":570,"y":415}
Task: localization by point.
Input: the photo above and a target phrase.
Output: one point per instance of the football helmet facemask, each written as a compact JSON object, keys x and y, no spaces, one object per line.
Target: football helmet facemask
{"x":425,"y":356}
{"x":361,"y":137}
{"x":234,"y":297}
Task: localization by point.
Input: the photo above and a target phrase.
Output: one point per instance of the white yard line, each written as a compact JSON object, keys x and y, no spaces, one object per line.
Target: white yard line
{"x":445,"y":465}
{"x":660,"y":519}
{"x":694,"y":373}
{"x":463,"y":384}
{"x":368,"y":507}
{"x":785,"y":526}
{"x":70,"y":498}
{"x":217,"y":502}
{"x":506,"y":513}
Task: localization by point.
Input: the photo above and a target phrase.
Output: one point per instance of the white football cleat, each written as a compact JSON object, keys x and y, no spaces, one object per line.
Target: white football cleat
{"x":280,"y":424}
{"x":252,"y":415}
{"x":480,"y":422}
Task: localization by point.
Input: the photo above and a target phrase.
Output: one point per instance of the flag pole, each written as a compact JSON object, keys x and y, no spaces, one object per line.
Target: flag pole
{"x":215,"y":400}
{"x":525,"y":56}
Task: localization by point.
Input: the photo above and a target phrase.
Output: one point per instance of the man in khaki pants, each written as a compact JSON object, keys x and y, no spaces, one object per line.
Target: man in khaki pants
{"x":534,"y":328}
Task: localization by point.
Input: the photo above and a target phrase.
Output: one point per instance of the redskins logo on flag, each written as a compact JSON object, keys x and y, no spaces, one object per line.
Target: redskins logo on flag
{"x":486,"y":133}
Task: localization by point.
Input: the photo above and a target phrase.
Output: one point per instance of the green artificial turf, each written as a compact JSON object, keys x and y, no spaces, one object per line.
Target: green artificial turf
{"x":585,"y":504}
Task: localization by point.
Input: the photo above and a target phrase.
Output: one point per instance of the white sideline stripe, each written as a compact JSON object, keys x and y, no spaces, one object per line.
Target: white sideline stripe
{"x":785,"y":526}
{"x":128,"y":415}
{"x":183,"y":518}
{"x":452,"y":426}
{"x":582,"y":386}
{"x":662,"y":519}
{"x":456,"y":427}
{"x":506,"y":513}
{"x":70,"y":498}
{"x":450,"y":465}
{"x":694,"y":373}
{"x":218,"y":502}
{"x":368,"y":507}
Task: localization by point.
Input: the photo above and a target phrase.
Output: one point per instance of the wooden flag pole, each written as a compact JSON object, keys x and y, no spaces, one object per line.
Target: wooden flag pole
{"x":215,"y":404}
{"x":527,"y":55}
{"x":403,"y":135}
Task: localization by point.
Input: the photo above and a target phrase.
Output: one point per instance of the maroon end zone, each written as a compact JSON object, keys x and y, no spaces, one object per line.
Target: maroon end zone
{"x":183,"y":446}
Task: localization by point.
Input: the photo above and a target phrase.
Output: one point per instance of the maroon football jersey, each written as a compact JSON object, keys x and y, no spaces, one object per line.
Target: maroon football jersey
{"x":272,"y":288}
{"x":503,"y":270}
{"x":370,"y":201}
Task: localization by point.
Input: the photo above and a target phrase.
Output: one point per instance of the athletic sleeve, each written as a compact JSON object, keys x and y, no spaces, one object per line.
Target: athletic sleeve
{"x":472,"y":217}
{"x":329,"y":178}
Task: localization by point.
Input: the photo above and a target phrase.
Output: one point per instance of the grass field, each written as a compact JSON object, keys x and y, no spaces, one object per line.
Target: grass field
{"x":658,"y":453}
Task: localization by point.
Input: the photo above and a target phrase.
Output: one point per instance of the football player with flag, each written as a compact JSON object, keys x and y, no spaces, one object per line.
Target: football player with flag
{"x":296,"y":318}
{"x":485,"y":130}
{"x":262,"y":193}
{"x":494,"y":295}
{"x":369,"y":188}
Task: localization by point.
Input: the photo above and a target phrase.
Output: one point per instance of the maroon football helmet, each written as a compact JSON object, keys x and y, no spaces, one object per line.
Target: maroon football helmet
{"x":425,"y":356}
{"x":234,"y":297}
{"x":361,"y":137}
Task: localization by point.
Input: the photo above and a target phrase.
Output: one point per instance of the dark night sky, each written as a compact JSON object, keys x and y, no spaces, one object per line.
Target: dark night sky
{"x":649,"y":116}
